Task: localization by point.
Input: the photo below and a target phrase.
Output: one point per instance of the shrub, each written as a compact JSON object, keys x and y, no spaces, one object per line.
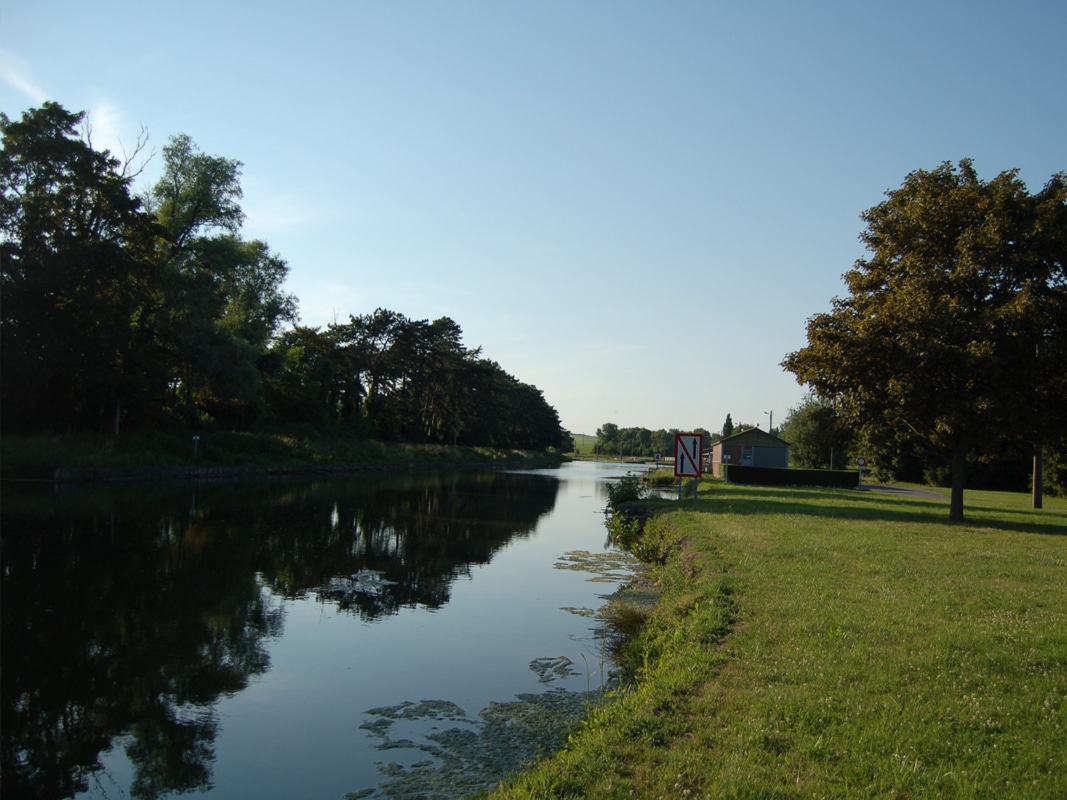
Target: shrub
{"x":647,"y":539}
{"x":628,"y":489}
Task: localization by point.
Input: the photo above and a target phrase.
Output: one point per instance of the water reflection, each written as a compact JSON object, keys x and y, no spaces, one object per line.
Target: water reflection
{"x":127,"y":615}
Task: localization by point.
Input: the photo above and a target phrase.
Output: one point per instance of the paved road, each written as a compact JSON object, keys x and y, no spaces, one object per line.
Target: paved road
{"x":903,"y":491}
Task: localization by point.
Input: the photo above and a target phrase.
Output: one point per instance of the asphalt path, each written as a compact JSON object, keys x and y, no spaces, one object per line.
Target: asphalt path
{"x":903,"y":491}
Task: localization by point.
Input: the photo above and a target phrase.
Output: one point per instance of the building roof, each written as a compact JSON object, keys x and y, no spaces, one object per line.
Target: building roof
{"x":755,"y":435}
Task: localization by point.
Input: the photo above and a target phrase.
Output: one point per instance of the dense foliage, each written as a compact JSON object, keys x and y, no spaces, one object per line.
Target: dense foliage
{"x":611,"y":440}
{"x":955,"y":329}
{"x":818,"y":437}
{"x":154,"y":311}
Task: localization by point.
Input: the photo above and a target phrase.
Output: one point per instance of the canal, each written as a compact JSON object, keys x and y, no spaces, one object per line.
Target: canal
{"x":386,"y":636}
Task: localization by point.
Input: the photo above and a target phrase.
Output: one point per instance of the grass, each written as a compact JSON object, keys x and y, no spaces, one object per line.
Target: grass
{"x":835,"y":643}
{"x":584,"y":443}
{"x":37,"y":457}
{"x":661,"y":477}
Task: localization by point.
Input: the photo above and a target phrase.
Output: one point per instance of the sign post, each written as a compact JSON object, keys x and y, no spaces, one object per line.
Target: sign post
{"x":688,"y":458}
{"x":861,"y":462}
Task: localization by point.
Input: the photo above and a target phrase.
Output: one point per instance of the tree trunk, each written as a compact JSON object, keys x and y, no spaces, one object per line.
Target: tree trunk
{"x":959,"y":481}
{"x":1038,"y":476}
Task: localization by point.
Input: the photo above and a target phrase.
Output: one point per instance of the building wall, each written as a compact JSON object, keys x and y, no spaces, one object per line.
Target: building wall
{"x":772,"y":457}
{"x":748,"y":454}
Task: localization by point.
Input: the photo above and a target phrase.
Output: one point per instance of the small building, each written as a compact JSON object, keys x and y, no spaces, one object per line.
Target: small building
{"x":749,"y":448}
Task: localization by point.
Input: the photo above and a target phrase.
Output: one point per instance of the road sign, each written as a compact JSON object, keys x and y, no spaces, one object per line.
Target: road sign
{"x":861,"y":462}
{"x":688,"y":455}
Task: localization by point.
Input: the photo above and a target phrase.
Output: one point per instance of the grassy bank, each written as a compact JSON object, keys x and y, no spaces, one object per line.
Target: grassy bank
{"x":37,"y":457}
{"x":836,"y":643}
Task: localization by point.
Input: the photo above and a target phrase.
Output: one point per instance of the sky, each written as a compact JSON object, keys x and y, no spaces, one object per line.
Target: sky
{"x":634,"y":206}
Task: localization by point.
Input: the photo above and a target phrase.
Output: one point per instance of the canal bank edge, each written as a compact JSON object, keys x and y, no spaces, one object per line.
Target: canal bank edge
{"x":183,"y":474}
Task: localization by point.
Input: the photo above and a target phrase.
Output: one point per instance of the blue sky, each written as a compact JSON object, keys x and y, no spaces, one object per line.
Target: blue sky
{"x":633,"y":205}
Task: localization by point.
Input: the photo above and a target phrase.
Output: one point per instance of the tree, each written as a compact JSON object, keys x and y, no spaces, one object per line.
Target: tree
{"x":662,"y":442}
{"x":384,"y":348}
{"x":311,"y":377}
{"x":229,"y":300}
{"x":509,"y":413}
{"x":197,"y":195}
{"x":433,"y":402}
{"x":607,"y":438}
{"x":817,"y":436}
{"x":419,"y":383}
{"x":728,"y":427}
{"x":955,"y":327}
{"x":82,"y":295}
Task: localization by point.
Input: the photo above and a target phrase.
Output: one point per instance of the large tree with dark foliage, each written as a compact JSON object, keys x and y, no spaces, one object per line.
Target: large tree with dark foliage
{"x":955,"y":327}
{"x":112,"y":306}
{"x":82,"y":295}
{"x":230,"y":303}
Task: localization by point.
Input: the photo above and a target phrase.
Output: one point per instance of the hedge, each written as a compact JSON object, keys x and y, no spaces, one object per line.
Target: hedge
{"x":776,"y":476}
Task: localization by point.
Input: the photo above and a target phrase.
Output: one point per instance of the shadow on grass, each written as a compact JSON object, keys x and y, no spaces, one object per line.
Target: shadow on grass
{"x":871,"y":506}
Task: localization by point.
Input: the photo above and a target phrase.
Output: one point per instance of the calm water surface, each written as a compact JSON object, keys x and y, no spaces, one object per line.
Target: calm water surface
{"x":387,"y":636}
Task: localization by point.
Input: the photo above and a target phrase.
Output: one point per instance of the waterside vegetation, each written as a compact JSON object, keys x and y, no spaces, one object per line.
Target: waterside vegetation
{"x":836,"y":643}
{"x":38,"y":457}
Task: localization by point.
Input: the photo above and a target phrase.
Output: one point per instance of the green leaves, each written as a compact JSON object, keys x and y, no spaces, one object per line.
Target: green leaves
{"x":197,"y":194}
{"x":955,"y":327}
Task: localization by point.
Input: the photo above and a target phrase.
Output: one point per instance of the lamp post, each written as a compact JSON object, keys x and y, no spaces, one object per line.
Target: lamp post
{"x":770,"y":425}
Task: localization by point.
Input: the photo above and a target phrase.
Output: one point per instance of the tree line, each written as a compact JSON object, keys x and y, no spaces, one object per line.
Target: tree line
{"x":611,"y":440}
{"x":153,"y":310}
{"x":646,"y":443}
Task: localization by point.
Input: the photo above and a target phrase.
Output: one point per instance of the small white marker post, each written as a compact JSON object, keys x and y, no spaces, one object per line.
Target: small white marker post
{"x":688,"y":459}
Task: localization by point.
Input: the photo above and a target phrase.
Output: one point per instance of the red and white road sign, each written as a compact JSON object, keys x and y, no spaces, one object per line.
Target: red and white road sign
{"x":688,"y":455}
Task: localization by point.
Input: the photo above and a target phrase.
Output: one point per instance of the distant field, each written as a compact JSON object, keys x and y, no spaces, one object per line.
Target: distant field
{"x":584,"y":443}
{"x":829,"y":643}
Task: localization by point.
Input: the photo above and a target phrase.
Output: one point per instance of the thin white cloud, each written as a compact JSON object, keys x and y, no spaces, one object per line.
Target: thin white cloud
{"x":16,"y":74}
{"x":103,"y":123}
{"x":107,"y":128}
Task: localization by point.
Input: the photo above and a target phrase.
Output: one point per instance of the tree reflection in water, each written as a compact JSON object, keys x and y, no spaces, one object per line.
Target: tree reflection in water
{"x":127,"y":615}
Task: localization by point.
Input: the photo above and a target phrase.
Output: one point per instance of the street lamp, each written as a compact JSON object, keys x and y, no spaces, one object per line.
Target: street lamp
{"x":770,"y":425}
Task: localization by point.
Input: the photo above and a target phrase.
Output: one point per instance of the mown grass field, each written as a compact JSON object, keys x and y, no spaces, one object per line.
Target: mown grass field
{"x":839,"y":644}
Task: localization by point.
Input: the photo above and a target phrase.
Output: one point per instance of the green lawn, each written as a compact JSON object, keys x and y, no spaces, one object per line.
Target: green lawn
{"x":833,"y":643}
